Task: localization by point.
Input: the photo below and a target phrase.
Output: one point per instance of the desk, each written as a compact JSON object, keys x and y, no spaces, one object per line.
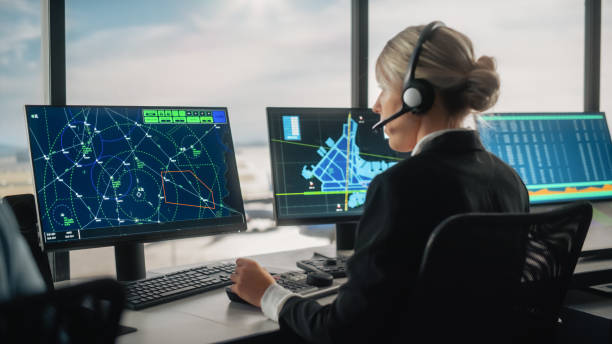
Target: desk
{"x":210,"y":317}
{"x":587,"y":318}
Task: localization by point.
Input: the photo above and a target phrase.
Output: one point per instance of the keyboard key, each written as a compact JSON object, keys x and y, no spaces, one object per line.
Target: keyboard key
{"x":178,"y":291}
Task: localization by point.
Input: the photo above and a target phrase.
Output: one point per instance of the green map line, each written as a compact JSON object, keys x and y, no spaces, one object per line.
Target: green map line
{"x":564,"y":185}
{"x":66,"y":178}
{"x":315,"y":146}
{"x":310,"y":193}
{"x":179,"y":153}
{"x":570,"y":195}
{"x":132,"y":151}
{"x":539,"y":117}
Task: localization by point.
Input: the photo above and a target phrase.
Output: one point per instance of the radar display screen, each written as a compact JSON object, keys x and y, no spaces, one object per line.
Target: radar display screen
{"x":105,"y":172}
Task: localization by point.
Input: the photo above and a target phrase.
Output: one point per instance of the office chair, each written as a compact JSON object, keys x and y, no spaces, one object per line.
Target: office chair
{"x":24,"y":208}
{"x":85,"y":313}
{"x":499,"y":277}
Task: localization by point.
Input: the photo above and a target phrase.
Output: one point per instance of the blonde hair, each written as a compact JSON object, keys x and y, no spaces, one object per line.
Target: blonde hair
{"x":447,"y":62}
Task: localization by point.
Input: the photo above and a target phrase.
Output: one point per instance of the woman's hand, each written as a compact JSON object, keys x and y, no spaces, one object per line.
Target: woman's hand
{"x":251,"y":281}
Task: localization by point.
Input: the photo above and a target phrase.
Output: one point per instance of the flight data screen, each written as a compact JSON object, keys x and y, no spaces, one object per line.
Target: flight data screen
{"x":323,"y":161}
{"x":107,"y":171}
{"x":560,"y":157}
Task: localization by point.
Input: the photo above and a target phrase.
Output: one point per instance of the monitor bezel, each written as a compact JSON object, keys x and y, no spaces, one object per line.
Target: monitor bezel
{"x":479,"y":120}
{"x":304,"y":220}
{"x":184,"y":229}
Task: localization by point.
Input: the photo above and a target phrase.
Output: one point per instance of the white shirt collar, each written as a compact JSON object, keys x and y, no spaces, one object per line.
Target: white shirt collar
{"x":427,"y":138}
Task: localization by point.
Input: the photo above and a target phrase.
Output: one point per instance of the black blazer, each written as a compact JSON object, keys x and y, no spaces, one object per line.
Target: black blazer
{"x":452,"y":174}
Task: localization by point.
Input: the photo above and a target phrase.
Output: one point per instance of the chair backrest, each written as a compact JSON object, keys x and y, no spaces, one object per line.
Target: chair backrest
{"x":85,"y":313}
{"x":24,"y":208}
{"x":501,"y":275}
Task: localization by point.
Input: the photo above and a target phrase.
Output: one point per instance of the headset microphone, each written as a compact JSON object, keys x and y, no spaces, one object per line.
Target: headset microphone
{"x":417,"y":94}
{"x":382,"y":122}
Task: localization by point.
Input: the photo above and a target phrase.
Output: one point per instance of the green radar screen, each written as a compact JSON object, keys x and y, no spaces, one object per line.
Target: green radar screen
{"x":108,"y":167}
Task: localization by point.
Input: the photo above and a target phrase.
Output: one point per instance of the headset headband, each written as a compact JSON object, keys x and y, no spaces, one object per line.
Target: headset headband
{"x":414,"y":59}
{"x":409,"y":78}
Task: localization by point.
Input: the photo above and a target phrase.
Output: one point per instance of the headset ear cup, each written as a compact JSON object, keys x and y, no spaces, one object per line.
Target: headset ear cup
{"x":412,"y":97}
{"x":427,"y":94}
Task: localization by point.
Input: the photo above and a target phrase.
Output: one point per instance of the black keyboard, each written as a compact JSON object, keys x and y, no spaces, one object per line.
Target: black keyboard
{"x":176,"y":285}
{"x":333,"y":266}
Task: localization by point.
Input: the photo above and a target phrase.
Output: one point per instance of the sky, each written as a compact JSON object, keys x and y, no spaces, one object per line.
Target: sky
{"x":20,"y":67}
{"x":249,"y":54}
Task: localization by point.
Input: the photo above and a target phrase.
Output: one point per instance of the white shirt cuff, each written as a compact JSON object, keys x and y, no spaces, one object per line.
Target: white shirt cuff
{"x":274,"y":299}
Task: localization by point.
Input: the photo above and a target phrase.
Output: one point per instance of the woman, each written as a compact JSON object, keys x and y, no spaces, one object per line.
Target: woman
{"x":448,"y":173}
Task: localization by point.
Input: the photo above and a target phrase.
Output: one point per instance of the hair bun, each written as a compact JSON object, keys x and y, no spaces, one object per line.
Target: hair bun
{"x":482,"y":84}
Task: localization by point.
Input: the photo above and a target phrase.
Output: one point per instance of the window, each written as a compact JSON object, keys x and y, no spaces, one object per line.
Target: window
{"x":20,"y":83}
{"x":539,"y":46}
{"x":242,"y":54}
{"x":251,"y":54}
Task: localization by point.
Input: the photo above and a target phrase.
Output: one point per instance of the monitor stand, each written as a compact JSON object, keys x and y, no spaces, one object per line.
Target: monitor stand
{"x":130,"y":259}
{"x":345,"y":238}
{"x":130,"y":262}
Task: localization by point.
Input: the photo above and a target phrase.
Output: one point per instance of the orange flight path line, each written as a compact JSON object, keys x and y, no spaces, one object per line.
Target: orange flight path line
{"x":212,"y":196}
{"x":606,"y":187}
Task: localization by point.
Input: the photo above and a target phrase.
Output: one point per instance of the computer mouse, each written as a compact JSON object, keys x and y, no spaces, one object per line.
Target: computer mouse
{"x":234,"y":297}
{"x":319,"y":279}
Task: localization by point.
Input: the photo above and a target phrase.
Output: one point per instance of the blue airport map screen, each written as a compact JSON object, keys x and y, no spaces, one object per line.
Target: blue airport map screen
{"x":108,"y":171}
{"x":561,"y":157}
{"x":323,"y":161}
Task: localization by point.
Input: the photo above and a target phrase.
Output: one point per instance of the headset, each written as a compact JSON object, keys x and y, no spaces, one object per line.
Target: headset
{"x":418,"y":94}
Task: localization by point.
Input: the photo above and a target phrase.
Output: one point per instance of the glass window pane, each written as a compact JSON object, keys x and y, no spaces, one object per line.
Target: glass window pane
{"x":605,"y":97}
{"x":538,"y":45}
{"x":20,"y":84}
{"x":242,"y":54}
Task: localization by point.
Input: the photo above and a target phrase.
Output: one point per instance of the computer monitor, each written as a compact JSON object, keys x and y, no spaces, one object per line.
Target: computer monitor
{"x":313,"y":180}
{"x":107,"y":175}
{"x":561,"y":157}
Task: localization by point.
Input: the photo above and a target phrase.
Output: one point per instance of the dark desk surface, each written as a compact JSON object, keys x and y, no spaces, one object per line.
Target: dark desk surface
{"x":586,"y":318}
{"x":210,"y":317}
{"x":590,"y":302}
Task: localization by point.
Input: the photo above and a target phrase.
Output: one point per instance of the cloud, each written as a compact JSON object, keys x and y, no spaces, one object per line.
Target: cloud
{"x":244,"y":57}
{"x":15,"y":92}
{"x":14,"y":36}
{"x":20,"y":7}
{"x":20,"y":72}
{"x":19,"y":24}
{"x":251,"y":54}
{"x":538,"y":45}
